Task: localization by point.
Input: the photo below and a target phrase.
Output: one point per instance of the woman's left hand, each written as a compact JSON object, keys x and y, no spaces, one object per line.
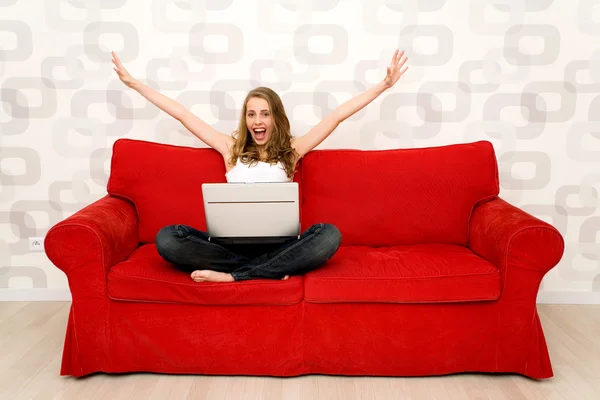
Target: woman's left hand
{"x":396,"y":69}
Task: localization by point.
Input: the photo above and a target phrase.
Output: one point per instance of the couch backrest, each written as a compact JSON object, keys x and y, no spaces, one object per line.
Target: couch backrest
{"x":164,"y":182}
{"x":400,"y":196}
{"x":376,"y":198}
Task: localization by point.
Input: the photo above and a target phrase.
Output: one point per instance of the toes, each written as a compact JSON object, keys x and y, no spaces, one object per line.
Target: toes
{"x":198,"y":276}
{"x":285,"y":278}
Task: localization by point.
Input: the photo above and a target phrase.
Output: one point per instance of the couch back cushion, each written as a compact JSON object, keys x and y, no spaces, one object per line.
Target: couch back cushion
{"x":164,"y":182}
{"x":400,"y":196}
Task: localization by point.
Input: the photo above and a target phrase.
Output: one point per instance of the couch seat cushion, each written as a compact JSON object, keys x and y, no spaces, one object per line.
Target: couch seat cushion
{"x":146,"y":276}
{"x":426,"y":273}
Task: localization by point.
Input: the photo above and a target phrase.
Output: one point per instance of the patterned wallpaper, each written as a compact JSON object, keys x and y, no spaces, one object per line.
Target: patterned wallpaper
{"x":524,"y":75}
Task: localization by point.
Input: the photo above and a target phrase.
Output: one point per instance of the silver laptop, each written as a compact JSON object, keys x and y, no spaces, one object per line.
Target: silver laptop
{"x":245,"y":213}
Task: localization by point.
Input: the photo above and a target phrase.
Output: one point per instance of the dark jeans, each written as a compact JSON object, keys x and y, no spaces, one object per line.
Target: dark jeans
{"x":189,"y":250}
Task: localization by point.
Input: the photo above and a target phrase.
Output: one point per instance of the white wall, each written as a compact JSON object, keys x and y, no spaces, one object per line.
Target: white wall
{"x":526,"y":77}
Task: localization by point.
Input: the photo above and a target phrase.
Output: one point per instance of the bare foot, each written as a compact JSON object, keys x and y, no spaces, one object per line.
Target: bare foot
{"x":211,"y":276}
{"x":285,"y":278}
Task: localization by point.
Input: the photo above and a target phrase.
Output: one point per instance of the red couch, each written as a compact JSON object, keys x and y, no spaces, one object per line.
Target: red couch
{"x":435,"y":275}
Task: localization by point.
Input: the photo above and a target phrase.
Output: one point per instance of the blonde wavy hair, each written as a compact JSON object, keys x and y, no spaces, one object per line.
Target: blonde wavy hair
{"x":278,"y":148}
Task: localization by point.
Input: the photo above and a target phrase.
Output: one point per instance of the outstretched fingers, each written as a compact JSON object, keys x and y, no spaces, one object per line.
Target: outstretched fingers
{"x":394,"y":59}
{"x":398,"y":61}
{"x":401,"y":60}
{"x":397,"y":56}
{"x":116,"y":60}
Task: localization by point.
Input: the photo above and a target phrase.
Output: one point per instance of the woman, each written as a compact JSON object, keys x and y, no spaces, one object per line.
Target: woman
{"x":262,"y":149}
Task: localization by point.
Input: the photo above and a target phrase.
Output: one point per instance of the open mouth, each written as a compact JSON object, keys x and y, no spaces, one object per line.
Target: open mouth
{"x":260,"y":133}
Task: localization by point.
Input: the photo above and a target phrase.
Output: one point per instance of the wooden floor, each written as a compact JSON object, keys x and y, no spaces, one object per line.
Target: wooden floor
{"x":32,"y":334}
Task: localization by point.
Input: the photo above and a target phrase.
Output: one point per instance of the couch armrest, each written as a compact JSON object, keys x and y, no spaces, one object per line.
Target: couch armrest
{"x":85,"y":245}
{"x":510,"y":238}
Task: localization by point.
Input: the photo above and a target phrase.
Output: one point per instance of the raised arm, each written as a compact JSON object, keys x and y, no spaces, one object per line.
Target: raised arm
{"x":217,"y":140}
{"x":321,"y":131}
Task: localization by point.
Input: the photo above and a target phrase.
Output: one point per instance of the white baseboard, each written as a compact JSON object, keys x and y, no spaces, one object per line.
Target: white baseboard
{"x":568,"y":297}
{"x":65,"y":295}
{"x":35,"y":295}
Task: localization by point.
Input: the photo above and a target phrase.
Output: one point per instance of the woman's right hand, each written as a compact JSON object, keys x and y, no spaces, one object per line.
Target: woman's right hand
{"x":124,"y":76}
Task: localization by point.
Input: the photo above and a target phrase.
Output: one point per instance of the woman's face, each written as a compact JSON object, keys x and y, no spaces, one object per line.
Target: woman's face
{"x":258,"y":120}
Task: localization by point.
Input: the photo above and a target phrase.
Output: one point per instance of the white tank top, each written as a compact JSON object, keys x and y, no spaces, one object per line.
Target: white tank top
{"x":261,"y":172}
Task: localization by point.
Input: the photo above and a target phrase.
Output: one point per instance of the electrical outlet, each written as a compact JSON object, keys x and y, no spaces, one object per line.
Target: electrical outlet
{"x":36,"y":244}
